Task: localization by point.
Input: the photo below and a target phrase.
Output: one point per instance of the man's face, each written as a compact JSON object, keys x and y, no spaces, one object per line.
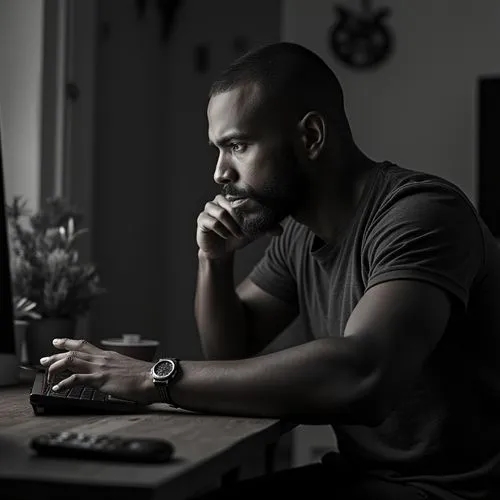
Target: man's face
{"x":256,"y":160}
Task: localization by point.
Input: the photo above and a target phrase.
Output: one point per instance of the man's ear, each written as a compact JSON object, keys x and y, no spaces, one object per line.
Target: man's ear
{"x":312,"y":131}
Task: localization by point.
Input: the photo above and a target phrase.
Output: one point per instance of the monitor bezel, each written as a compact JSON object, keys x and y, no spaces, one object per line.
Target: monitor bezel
{"x":9,"y":361}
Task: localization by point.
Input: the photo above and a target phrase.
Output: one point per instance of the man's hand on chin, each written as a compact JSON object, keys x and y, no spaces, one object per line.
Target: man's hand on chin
{"x":108,"y":371}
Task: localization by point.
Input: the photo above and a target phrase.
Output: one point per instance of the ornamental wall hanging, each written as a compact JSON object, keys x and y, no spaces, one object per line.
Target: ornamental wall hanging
{"x":361,"y":39}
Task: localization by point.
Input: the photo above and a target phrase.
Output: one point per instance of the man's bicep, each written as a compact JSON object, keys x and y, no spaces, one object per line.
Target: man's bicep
{"x":396,"y":326}
{"x":268,"y":315}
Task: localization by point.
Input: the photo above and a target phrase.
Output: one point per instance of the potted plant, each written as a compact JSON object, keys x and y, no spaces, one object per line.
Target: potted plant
{"x":47,"y":271}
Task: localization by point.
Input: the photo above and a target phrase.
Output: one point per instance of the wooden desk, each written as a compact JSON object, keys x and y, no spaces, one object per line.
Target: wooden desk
{"x":208,"y":449}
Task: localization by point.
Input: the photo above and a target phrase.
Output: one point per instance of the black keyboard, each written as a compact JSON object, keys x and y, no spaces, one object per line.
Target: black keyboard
{"x":76,"y":400}
{"x":76,"y":392}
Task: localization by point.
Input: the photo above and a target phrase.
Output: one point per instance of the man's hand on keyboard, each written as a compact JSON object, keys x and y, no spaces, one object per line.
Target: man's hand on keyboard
{"x":108,"y":371}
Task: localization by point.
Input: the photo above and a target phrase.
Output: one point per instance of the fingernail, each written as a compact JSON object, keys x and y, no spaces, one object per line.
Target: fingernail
{"x":56,"y":341}
{"x":55,"y":388}
{"x":44,"y":360}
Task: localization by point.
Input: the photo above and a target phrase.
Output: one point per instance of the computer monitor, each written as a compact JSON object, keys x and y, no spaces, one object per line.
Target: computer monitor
{"x":9,"y":363}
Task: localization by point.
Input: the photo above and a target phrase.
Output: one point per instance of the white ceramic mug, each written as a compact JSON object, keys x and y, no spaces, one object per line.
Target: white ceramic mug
{"x":132,"y":345}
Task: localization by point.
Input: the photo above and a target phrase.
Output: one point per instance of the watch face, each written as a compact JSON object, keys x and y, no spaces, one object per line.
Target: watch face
{"x":163,"y":369}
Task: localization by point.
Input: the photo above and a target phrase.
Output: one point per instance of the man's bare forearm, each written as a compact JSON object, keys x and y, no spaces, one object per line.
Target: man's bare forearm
{"x":317,"y":382}
{"x":220,"y":315}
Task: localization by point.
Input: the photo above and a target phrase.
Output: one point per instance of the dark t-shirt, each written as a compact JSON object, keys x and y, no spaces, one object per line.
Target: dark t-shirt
{"x":444,"y":433}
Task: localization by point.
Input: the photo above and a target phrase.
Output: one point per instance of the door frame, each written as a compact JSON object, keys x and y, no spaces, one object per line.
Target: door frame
{"x":69,"y":61}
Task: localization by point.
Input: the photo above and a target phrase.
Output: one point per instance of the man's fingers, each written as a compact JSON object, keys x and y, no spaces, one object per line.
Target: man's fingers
{"x":226,"y":205}
{"x":76,"y":345}
{"x":70,"y":362}
{"x":50,"y":360}
{"x":77,"y":379}
{"x":221,"y":210}
{"x":207,"y":223}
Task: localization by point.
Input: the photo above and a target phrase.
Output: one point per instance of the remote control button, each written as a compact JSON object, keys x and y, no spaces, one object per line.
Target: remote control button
{"x":66,"y":436}
{"x":134,"y":445}
{"x":113,"y":443}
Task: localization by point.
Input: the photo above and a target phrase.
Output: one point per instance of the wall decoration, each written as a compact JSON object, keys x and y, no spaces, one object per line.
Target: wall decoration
{"x":361,"y":39}
{"x":166,"y":10}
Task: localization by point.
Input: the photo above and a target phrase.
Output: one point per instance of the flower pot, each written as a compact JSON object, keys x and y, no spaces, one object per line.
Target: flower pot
{"x":39,"y":336}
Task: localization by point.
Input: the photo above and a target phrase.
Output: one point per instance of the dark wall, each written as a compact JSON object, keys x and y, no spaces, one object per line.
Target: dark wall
{"x":153,"y":166}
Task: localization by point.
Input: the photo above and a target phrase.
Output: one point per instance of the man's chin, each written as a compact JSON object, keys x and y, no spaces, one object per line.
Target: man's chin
{"x":253,"y":227}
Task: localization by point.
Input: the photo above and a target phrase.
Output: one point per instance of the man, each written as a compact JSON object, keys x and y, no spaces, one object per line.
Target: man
{"x":395,"y":276}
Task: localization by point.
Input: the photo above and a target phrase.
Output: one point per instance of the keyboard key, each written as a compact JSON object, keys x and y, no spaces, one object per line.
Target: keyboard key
{"x":100,"y":396}
{"x":59,"y":394}
{"x":87,"y":393}
{"x":75,"y":392}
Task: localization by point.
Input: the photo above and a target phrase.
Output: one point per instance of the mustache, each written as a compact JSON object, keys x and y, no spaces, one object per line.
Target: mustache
{"x":228,"y":190}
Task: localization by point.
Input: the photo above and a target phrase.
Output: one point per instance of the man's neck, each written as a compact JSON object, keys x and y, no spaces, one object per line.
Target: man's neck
{"x":335,"y":199}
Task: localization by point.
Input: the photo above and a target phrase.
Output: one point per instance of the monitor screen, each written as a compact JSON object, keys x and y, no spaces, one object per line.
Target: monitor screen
{"x":7,"y":343}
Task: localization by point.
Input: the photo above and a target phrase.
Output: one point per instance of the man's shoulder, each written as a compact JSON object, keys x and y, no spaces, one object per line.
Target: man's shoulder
{"x":400,"y":182}
{"x":398,"y":176}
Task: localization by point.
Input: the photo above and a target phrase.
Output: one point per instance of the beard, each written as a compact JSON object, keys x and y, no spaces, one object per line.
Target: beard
{"x":277,"y":199}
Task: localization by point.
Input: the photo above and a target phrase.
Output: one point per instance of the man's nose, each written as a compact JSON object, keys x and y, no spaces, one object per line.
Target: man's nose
{"x":224,"y":172}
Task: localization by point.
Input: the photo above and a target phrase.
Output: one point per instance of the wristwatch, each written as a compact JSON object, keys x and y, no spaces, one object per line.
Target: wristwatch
{"x":163,"y":372}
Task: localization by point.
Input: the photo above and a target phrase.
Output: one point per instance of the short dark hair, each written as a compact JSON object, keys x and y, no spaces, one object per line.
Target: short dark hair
{"x":288,"y":73}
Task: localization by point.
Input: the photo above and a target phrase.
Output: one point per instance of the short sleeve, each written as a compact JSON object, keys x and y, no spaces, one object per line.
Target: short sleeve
{"x":429,"y":232}
{"x":274,"y":272}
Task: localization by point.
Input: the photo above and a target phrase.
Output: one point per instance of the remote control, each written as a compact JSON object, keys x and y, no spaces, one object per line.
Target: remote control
{"x":102,"y":447}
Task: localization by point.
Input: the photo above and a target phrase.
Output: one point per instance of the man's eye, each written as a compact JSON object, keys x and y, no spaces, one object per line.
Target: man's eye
{"x":238,"y":147}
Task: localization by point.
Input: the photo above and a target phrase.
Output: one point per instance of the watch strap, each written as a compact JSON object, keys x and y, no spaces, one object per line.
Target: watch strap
{"x":162,"y":386}
{"x":169,"y":399}
{"x":164,"y":392}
